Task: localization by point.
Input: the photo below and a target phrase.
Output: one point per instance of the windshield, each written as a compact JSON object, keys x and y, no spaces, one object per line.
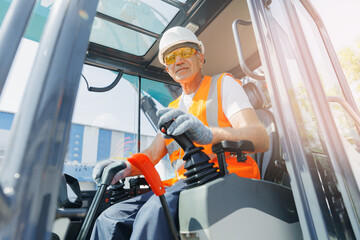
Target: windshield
{"x":131,"y":26}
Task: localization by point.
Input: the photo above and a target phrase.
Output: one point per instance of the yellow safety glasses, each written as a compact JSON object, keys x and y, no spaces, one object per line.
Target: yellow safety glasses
{"x":184,"y":52}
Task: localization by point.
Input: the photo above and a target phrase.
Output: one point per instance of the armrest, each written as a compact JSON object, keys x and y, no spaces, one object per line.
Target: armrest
{"x":238,"y":147}
{"x":234,"y":147}
{"x":72,"y":213}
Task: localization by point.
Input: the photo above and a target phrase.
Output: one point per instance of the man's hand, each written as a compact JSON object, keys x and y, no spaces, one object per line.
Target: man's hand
{"x":100,"y":166}
{"x":185,"y":123}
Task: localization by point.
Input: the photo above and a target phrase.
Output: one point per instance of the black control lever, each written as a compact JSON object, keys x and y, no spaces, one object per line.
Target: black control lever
{"x":110,"y":171}
{"x":182,"y":139}
{"x":106,"y":178}
{"x":199,"y":170}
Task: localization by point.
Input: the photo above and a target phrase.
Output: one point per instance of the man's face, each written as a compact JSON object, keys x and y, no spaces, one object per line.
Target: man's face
{"x":185,"y":69}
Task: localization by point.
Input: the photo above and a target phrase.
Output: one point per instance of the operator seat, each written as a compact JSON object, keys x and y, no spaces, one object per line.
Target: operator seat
{"x":272,"y":166}
{"x":232,"y":207}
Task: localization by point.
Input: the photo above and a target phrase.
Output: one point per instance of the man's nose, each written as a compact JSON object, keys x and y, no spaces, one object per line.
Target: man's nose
{"x":179,"y":60}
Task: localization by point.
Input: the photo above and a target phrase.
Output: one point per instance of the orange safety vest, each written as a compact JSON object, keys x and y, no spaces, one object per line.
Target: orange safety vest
{"x":207,"y":106}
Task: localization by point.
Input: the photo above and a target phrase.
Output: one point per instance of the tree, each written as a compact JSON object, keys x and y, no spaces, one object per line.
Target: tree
{"x":349,"y":58}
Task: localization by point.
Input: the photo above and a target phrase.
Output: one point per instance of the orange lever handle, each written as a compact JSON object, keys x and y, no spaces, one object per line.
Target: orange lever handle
{"x":143,"y":163}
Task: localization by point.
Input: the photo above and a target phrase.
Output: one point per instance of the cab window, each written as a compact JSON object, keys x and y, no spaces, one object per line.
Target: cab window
{"x":107,"y":124}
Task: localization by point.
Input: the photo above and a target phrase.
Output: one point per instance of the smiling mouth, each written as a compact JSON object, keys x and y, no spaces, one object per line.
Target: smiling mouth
{"x":180,"y":69}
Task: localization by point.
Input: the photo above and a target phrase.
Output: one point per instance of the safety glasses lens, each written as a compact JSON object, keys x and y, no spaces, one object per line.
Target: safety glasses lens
{"x":170,"y":58}
{"x":187,"y":52}
{"x":183,"y":52}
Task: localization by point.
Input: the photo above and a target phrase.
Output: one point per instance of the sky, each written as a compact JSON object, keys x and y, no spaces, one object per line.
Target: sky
{"x":17,"y":79}
{"x":105,"y":112}
{"x":341,"y":19}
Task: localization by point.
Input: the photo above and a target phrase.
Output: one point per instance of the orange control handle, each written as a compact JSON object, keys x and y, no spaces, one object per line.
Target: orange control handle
{"x":143,"y":163}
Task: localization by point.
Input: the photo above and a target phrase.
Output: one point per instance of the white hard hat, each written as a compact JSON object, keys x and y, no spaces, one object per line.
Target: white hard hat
{"x":177,"y":35}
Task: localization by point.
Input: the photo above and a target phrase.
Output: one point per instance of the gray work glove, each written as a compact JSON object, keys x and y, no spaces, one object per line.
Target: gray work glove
{"x":100,"y":166}
{"x":185,"y":123}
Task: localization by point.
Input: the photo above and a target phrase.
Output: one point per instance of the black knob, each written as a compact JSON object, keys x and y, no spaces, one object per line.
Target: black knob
{"x":182,"y":139}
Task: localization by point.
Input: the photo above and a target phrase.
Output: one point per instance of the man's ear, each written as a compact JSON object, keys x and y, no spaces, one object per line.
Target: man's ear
{"x":201,"y":59}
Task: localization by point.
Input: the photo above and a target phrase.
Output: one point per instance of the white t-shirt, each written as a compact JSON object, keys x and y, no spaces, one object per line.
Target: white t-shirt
{"x":233,"y":98}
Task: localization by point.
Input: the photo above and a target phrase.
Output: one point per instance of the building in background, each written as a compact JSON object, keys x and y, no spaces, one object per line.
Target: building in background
{"x":89,"y":145}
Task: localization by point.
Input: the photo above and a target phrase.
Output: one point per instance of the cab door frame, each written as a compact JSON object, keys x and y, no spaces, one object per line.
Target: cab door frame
{"x":305,"y":184}
{"x":38,"y":143}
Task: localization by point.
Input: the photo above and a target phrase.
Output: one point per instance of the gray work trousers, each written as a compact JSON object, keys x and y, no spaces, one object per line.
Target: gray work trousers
{"x":141,"y":217}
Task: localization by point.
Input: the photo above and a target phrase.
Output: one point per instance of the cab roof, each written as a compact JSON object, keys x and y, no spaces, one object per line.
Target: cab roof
{"x":125,"y":34}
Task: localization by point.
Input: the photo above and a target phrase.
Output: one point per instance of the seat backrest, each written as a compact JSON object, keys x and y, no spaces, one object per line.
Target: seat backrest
{"x":271,"y":165}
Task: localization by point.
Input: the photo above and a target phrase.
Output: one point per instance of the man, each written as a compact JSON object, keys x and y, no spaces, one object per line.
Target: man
{"x":210,"y":109}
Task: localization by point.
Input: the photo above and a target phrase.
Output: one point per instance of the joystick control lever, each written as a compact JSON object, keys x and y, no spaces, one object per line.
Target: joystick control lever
{"x":182,"y":139}
{"x":199,"y":170}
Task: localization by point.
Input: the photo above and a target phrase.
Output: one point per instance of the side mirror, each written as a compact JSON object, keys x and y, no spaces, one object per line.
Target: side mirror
{"x":5,"y":211}
{"x":70,"y":194}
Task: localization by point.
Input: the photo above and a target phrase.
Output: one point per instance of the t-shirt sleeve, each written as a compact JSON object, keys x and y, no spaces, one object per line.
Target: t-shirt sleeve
{"x":233,"y":97}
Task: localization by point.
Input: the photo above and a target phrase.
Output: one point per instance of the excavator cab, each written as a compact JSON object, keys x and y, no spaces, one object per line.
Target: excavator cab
{"x":79,"y":81}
